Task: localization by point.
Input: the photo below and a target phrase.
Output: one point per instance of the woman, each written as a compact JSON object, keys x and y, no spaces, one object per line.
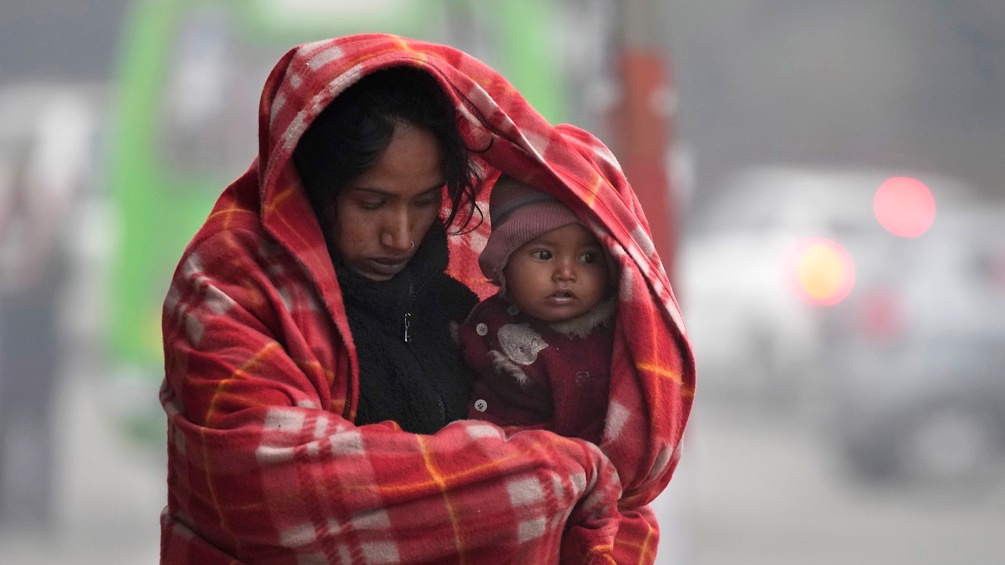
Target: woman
{"x":303,"y":430}
{"x":374,"y":165}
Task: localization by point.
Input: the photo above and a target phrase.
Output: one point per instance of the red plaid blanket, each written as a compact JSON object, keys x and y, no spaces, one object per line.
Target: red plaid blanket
{"x":265,"y":465}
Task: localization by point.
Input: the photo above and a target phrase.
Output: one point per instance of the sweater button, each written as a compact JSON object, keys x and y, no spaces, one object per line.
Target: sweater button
{"x":512,"y":310}
{"x":481,"y":329}
{"x":481,"y":405}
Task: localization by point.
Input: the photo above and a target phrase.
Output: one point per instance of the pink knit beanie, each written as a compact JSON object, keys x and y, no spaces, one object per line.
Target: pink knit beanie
{"x":519,"y":214}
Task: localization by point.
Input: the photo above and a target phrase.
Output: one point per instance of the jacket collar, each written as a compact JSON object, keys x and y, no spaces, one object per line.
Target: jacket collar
{"x":390,"y":299}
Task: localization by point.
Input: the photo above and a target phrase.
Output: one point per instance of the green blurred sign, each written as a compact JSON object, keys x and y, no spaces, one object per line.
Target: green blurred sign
{"x":185,"y":117}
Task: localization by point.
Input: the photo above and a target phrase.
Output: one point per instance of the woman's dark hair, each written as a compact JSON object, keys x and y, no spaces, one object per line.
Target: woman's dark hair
{"x":349,"y":135}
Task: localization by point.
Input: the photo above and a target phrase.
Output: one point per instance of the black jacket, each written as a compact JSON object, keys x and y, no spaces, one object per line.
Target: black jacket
{"x":417,"y":379}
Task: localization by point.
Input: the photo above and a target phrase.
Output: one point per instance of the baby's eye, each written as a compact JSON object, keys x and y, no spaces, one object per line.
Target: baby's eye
{"x":541,"y":254}
{"x":589,"y":257}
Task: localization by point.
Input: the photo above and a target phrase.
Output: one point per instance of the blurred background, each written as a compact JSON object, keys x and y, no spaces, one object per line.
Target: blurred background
{"x":824,"y":182}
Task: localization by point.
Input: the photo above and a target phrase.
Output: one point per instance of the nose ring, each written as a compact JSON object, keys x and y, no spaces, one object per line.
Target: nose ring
{"x":411,"y":244}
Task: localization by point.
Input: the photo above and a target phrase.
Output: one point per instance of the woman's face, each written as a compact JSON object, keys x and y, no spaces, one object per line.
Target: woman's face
{"x":382,"y":215}
{"x":558,"y":275}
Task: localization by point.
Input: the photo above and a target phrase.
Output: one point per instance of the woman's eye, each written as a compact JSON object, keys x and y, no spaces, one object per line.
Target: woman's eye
{"x":371,"y":204}
{"x":428,"y":201}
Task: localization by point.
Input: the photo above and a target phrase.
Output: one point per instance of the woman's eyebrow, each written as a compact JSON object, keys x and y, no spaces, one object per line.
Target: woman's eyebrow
{"x":429,"y":191}
{"x":382,"y":192}
{"x":435,"y":188}
{"x":370,"y":190}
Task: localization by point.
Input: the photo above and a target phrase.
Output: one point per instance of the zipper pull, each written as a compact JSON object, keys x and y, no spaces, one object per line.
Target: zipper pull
{"x":408,"y":327}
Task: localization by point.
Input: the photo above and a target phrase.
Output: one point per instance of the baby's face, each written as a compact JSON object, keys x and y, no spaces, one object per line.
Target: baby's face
{"x":558,"y":275}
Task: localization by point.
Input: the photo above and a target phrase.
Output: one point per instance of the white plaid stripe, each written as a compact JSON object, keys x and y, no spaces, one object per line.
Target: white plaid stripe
{"x":524,"y":492}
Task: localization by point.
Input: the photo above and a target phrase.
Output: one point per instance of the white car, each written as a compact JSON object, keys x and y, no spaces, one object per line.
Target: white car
{"x":917,"y":360}
{"x":773,"y":250}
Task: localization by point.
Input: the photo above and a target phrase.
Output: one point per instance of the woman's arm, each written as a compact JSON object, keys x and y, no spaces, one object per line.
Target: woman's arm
{"x":263,"y":465}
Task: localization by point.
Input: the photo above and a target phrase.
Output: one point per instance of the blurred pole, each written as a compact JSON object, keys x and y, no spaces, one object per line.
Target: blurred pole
{"x":643,"y":117}
{"x":642,"y":123}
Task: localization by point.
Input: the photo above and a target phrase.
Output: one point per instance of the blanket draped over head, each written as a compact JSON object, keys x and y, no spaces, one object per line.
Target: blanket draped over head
{"x":261,"y":389}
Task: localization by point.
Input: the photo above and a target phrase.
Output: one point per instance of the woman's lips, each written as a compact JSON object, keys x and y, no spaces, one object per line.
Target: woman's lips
{"x":388,"y":266}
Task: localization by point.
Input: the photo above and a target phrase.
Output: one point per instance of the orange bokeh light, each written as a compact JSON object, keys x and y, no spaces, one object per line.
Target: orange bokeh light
{"x":823,"y":273}
{"x":904,"y":206}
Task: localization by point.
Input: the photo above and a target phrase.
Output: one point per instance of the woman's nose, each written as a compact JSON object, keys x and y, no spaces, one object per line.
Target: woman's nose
{"x":396,"y":233}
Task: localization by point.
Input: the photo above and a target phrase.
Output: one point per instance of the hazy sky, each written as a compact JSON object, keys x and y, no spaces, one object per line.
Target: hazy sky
{"x":61,"y":39}
{"x":914,"y":83}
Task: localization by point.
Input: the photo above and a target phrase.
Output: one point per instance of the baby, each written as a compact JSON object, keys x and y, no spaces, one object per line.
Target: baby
{"x":540,"y":348}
